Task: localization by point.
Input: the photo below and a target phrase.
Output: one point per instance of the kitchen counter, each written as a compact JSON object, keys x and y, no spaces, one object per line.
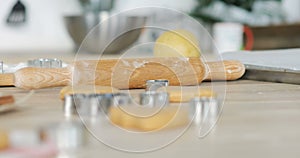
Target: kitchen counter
{"x":259,"y":119}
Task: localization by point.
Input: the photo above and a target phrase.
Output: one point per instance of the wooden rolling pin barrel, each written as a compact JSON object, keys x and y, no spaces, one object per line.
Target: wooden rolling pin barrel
{"x":125,"y":73}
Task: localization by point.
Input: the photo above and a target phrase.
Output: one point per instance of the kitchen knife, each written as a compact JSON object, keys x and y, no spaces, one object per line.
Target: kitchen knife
{"x":125,"y":73}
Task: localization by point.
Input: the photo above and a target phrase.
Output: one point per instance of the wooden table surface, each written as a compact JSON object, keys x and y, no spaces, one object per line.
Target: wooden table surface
{"x":259,"y":119}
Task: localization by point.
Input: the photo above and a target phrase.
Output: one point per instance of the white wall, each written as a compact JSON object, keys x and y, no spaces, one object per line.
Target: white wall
{"x":44,"y":30}
{"x":292,"y":9}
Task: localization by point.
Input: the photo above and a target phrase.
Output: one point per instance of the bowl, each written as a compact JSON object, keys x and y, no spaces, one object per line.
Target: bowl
{"x":102,"y":33}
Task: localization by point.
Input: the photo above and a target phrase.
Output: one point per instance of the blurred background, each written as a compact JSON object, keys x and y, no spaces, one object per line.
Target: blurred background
{"x":234,"y":24}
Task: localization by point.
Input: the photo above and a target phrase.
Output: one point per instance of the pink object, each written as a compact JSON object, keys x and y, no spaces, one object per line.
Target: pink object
{"x":45,"y":150}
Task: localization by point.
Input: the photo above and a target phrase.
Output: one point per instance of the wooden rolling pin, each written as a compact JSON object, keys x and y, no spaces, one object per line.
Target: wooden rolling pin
{"x":125,"y":73}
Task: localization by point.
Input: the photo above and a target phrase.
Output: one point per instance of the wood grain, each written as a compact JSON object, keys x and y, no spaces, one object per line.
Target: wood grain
{"x":226,"y":70}
{"x":287,"y":36}
{"x":133,"y":73}
{"x":35,"y":78}
{"x":7,"y":79}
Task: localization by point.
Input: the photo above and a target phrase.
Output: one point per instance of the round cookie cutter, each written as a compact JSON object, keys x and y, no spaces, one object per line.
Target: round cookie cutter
{"x":154,"y":99}
{"x":203,"y":110}
{"x":93,"y":105}
{"x":45,"y":63}
{"x":153,"y":85}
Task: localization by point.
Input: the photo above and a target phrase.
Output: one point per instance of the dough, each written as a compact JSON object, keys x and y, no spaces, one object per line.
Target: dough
{"x":185,"y":94}
{"x":177,"y":43}
{"x":4,"y":142}
{"x":148,"y":119}
{"x":86,"y":89}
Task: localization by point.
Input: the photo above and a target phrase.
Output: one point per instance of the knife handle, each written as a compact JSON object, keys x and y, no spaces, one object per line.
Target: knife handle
{"x":225,"y":70}
{"x":35,"y":78}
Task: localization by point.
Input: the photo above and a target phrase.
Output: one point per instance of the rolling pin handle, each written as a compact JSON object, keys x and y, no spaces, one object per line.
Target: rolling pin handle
{"x":225,"y":70}
{"x":35,"y":78}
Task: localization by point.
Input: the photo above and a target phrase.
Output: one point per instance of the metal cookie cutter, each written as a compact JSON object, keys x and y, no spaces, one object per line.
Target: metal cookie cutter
{"x":66,"y":135}
{"x":153,"y":85}
{"x":45,"y":63}
{"x":82,"y":104}
{"x":154,"y":99}
{"x":204,"y":109}
{"x":70,"y":103}
{"x":25,"y":137}
{"x":1,"y":67}
{"x":114,"y":99}
{"x":93,"y":104}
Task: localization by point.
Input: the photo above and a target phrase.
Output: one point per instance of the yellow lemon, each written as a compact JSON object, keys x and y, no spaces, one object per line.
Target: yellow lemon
{"x":176,"y":43}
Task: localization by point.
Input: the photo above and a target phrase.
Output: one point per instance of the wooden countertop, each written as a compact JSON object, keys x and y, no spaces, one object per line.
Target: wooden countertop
{"x":259,"y":119}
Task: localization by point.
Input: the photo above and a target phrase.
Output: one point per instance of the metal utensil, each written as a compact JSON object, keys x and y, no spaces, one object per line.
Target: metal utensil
{"x":66,"y":135}
{"x":45,"y":63}
{"x":70,"y":101}
{"x":97,"y":33}
{"x":153,"y":85}
{"x":272,"y":74}
{"x":271,"y":65}
{"x":17,"y":14}
{"x":154,"y":99}
{"x":204,"y":109}
{"x":93,"y":105}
